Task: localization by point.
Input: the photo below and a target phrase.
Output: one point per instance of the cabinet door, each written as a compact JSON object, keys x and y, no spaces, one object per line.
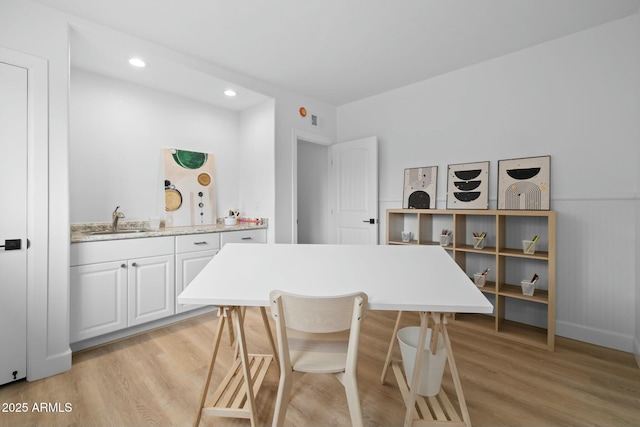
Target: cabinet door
{"x":151,"y":289}
{"x":98,"y":299}
{"x":188,"y":265}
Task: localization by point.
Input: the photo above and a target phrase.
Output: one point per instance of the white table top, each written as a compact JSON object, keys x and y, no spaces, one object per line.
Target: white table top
{"x":408,"y":278}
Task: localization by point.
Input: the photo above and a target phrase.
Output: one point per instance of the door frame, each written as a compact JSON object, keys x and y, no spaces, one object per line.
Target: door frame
{"x":37,"y":202}
{"x":297,"y":134}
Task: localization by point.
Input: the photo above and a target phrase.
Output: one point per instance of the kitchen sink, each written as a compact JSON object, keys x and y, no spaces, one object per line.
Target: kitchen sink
{"x":106,"y":232}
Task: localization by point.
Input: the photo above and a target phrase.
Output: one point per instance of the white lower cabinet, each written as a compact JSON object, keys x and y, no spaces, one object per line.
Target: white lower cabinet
{"x":151,"y":289}
{"x":110,"y":293}
{"x":193,"y":252}
{"x":116,"y":284}
{"x":98,"y":299}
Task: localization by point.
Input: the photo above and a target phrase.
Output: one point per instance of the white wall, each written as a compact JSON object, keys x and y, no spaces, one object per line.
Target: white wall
{"x":288,"y":119}
{"x":257,"y":164}
{"x":43,"y":32}
{"x":40,"y":32}
{"x":576,"y":99}
{"x":117,"y":133}
{"x":636,"y":349}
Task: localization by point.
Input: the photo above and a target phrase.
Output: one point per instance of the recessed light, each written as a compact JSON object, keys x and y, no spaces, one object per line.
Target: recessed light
{"x":230,"y":92}
{"x":137,"y":62}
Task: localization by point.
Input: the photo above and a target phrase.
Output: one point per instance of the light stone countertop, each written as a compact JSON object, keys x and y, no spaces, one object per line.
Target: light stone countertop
{"x":82,"y":232}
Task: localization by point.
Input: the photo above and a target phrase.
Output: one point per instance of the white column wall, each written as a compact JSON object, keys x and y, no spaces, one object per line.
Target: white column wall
{"x":257,"y":164}
{"x":40,"y":32}
{"x":636,"y":347}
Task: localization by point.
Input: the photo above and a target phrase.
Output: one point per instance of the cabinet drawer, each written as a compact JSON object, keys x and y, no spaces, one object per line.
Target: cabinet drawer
{"x":197,"y":242}
{"x":114,"y":250}
{"x":243,"y":236}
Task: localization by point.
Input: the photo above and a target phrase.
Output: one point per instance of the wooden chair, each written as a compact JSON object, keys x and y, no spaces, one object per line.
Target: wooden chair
{"x":318,"y":335}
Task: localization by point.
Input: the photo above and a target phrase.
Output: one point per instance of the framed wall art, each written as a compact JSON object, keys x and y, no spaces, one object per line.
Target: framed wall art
{"x":468,"y":186}
{"x":523,"y":184}
{"x":189,"y":187}
{"x":420,"y":188}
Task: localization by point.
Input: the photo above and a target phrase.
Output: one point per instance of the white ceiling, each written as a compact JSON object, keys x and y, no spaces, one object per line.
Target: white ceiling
{"x":339,"y":51}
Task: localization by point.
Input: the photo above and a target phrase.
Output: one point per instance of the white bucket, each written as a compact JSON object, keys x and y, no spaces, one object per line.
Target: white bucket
{"x":432,"y":365}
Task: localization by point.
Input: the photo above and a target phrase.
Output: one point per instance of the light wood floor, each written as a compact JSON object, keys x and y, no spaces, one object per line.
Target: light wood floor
{"x":155,"y":379}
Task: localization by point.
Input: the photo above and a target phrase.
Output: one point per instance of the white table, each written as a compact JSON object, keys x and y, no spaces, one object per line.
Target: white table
{"x":424,"y":279}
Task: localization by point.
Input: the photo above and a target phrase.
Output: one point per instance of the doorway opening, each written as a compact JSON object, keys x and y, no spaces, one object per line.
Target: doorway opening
{"x":310,"y":188}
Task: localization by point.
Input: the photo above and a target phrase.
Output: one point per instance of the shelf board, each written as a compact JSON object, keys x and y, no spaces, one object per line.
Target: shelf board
{"x":539,"y":295}
{"x":400,"y":242}
{"x":525,"y":334}
{"x":519,"y":253}
{"x":490,"y":250}
{"x":489,"y":286}
{"x":415,"y":242}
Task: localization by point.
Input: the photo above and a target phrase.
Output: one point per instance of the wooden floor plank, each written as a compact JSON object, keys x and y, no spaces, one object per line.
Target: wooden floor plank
{"x":155,"y":379}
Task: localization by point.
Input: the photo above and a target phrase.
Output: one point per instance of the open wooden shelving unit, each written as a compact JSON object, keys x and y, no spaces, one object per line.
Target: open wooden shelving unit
{"x":504,"y":256}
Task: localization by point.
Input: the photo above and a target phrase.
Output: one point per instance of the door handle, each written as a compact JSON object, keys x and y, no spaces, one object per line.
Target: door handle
{"x":12,"y":244}
{"x":370,"y":220}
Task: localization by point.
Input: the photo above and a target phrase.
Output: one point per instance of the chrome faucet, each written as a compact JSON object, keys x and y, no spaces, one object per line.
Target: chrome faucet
{"x":115,"y":216}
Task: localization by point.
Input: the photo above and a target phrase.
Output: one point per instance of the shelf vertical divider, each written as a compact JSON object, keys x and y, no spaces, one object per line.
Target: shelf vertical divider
{"x":459,"y":236}
{"x":425,"y":228}
{"x":551,"y":271}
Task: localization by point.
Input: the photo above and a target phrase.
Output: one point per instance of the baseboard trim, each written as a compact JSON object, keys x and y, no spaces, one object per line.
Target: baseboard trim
{"x":134,"y":330}
{"x":596,"y":336}
{"x":54,"y":364}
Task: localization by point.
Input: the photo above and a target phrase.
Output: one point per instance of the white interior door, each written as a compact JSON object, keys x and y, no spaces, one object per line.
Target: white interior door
{"x":13,"y":226}
{"x":353,"y":186}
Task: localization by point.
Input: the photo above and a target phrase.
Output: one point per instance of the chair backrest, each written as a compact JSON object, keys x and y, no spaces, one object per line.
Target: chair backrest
{"x":318,"y":315}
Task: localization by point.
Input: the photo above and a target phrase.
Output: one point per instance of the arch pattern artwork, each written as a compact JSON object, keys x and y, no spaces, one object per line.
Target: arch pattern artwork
{"x":523,"y":184}
{"x":420,"y":188}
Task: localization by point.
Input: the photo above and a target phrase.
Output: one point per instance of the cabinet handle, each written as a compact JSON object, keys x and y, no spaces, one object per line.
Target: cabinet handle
{"x":200,"y":243}
{"x":123,"y":265}
{"x":246,"y":238}
{"x":133,"y":264}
